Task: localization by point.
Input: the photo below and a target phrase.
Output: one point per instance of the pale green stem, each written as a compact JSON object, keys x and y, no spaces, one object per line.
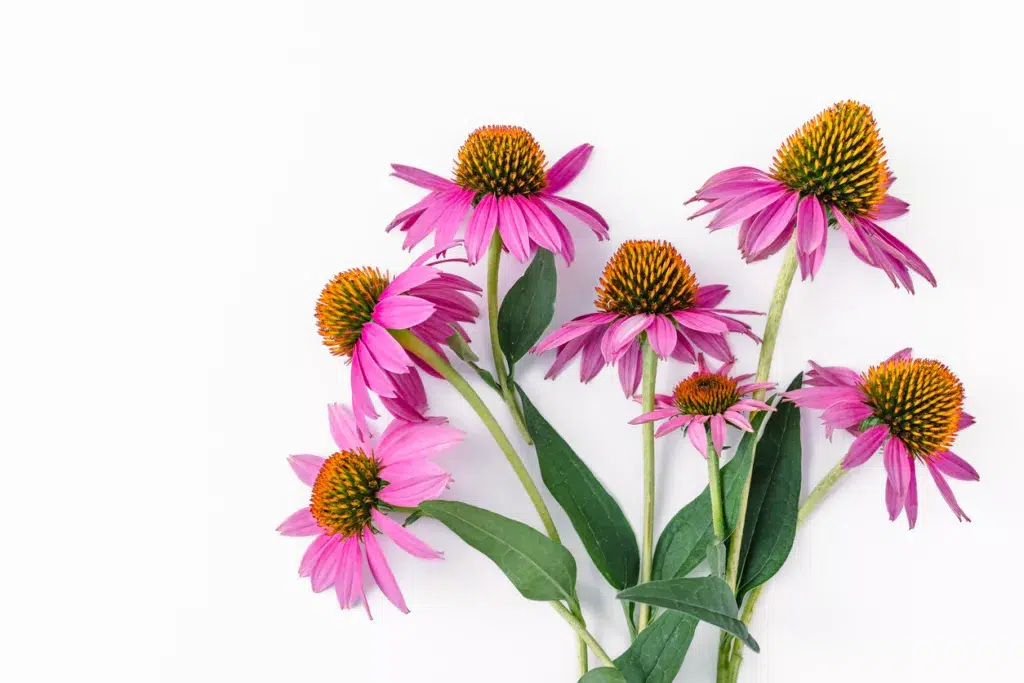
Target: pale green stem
{"x":412,"y":343}
{"x":809,"y":505}
{"x":650,"y":372}
{"x":584,"y":634}
{"x":493,"y":261}
{"x":764,"y":366}
{"x":715,"y":489}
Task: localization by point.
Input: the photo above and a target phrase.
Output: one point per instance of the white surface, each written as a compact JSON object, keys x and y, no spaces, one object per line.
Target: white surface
{"x":178,"y":180}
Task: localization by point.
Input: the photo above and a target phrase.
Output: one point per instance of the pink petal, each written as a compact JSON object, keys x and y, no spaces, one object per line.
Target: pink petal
{"x":710,"y":296}
{"x":630,"y":369}
{"x":673,"y":424}
{"x":911,"y":503}
{"x":565,"y":170}
{"x":402,"y":312}
{"x":362,"y":406}
{"x":542,"y":230}
{"x":568,"y":248}
{"x":747,"y":205}
{"x":763,"y":235}
{"x":348,"y":585}
{"x":714,"y":345}
{"x":890,"y":207}
{"x":846,"y":414}
{"x":591,"y":218}
{"x":822,"y":397}
{"x":702,"y":322}
{"x":422,"y":178}
{"x":312,"y":554}
{"x":865,"y":445}
{"x":565,"y":354}
{"x":952,"y":465}
{"x":810,"y":233}
{"x":699,"y":438}
{"x":411,"y":214}
{"x":386,"y":351}
{"x":325,"y":569}
{"x":897,"y":466}
{"x":376,"y":379}
{"x":659,"y":414}
{"x":592,"y":360}
{"x":412,"y":492}
{"x":513,"y":229}
{"x":306,"y":467}
{"x":947,"y":493}
{"x":717,"y":432}
{"x":403,"y":538}
{"x":965,"y":421}
{"x":382,"y":572}
{"x":738,"y":420}
{"x":300,"y":523}
{"x":418,"y":440}
{"x":622,"y":333}
{"x":481,"y":228}
{"x":563,"y":335}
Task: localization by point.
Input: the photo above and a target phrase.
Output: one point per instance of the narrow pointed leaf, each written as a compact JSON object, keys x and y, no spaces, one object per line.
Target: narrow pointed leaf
{"x":528,"y":307}
{"x":774,"y":501}
{"x":461,"y":348}
{"x":597,"y":518}
{"x":658,"y":652}
{"x":708,"y":598}
{"x":538,"y":567}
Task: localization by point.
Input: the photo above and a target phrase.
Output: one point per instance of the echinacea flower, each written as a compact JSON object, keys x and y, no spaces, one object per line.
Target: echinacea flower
{"x":358,"y":307}
{"x":353,"y":491}
{"x":501,"y":180}
{"x":646,"y":289}
{"x":831,"y":172}
{"x":707,"y":397}
{"x":912,"y":408}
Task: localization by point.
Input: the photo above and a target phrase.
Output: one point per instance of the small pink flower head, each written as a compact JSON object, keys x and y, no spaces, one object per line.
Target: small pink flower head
{"x":353,"y":491}
{"x":502,"y":182}
{"x":647,"y":292}
{"x":911,"y":408}
{"x":832,"y":172}
{"x":358,"y":307}
{"x":710,"y":398}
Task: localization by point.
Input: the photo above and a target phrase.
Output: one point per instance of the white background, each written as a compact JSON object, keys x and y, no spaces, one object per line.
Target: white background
{"x":179,"y":179}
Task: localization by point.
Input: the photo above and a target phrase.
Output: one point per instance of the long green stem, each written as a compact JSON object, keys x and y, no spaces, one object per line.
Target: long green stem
{"x":584,"y":634}
{"x":650,"y":372}
{"x":809,"y":505}
{"x":764,"y":367}
{"x":412,"y":343}
{"x":715,"y":488}
{"x":493,"y":261}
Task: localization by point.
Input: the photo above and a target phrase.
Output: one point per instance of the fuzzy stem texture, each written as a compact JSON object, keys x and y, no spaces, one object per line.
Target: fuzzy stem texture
{"x":650,"y":372}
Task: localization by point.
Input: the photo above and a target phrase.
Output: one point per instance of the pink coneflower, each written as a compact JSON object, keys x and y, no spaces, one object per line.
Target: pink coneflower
{"x":831,"y":172}
{"x":353,"y":490}
{"x":912,"y":408}
{"x":646,"y":288}
{"x":707,"y":397}
{"x":358,"y":307}
{"x":501,"y":181}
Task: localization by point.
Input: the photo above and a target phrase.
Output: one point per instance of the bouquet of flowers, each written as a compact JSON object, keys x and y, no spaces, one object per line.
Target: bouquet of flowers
{"x":711,"y":561}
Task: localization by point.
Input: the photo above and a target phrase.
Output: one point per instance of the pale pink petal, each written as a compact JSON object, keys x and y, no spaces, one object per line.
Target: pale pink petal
{"x":377,"y":380}
{"x":673,"y":424}
{"x":738,"y":420}
{"x":382,"y":572}
{"x":897,"y":466}
{"x":700,"y":321}
{"x":952,"y":465}
{"x":747,"y":205}
{"x":565,"y":170}
{"x":312,"y":554}
{"x":865,"y":445}
{"x":710,"y":296}
{"x":659,"y":414}
{"x":403,"y":538}
{"x":362,"y":406}
{"x":630,"y":369}
{"x":822,"y":397}
{"x":946,"y":491}
{"x":384,"y":349}
{"x":422,"y":178}
{"x":699,"y":438}
{"x":325,"y":569}
{"x":402,"y":312}
{"x":306,"y":467}
{"x":481,"y":228}
{"x":911,"y":503}
{"x":513,"y":229}
{"x":624,"y":332}
{"x":717,"y":432}
{"x":344,"y":428}
{"x":846,"y":414}
{"x":591,"y":218}
{"x":731,"y":174}
{"x":419,"y":440}
{"x":890,"y":207}
{"x":348,"y":584}
{"x":412,"y":492}
{"x":299,"y":523}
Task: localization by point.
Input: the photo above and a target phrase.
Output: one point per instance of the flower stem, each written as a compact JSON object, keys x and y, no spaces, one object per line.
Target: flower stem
{"x":493,"y":261}
{"x":715,"y":488}
{"x":650,"y":372}
{"x":584,"y":634}
{"x":809,"y":505}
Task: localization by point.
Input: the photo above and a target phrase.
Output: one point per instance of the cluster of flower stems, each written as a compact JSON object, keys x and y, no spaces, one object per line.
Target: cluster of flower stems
{"x":730,"y":653}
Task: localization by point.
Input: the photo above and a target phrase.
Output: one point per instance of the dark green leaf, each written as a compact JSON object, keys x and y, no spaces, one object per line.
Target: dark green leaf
{"x":708,"y":598}
{"x":528,"y":307}
{"x":658,"y":652}
{"x":487,"y":377}
{"x":461,"y":348}
{"x":716,"y":558}
{"x":603,"y":675}
{"x":537,"y":566}
{"x":774,"y":502}
{"x":683,"y":544}
{"x":413,"y":516}
{"x":597,"y":518}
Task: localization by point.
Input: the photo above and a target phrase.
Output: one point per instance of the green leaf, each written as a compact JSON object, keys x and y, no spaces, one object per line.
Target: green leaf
{"x":597,"y":518}
{"x":684,"y":542}
{"x":708,"y":598}
{"x":461,"y":348}
{"x":658,"y":652}
{"x":716,"y":558}
{"x":413,"y":517}
{"x":603,"y":675}
{"x":487,"y":377}
{"x":538,"y":567}
{"x":528,"y":307}
{"x":774,"y":502}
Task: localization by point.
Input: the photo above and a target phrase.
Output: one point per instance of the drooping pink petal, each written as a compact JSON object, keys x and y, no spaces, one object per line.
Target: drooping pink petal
{"x":753,"y":386}
{"x":412,"y":492}
{"x":699,"y":438}
{"x":846,"y":414}
{"x":810,"y":233}
{"x":738,"y":420}
{"x":402,"y":312}
{"x":890,"y":207}
{"x":684,"y":352}
{"x":402,"y":537}
{"x":717,"y":432}
{"x":762,"y":235}
{"x":362,"y":406}
{"x":348,"y":584}
{"x":715,"y":345}
{"x":857,"y":242}
{"x":565,"y":354}
{"x":300,"y":523}
{"x":946,"y":491}
{"x":422,"y":178}
{"x":312,"y":554}
{"x":568,"y":247}
{"x":513,"y":229}
{"x":381,"y":571}
{"x":662,"y":335}
{"x":659,"y":414}
{"x":700,"y":321}
{"x":562,"y":335}
{"x":592,"y":360}
{"x":565,"y":170}
{"x":418,"y":440}
{"x":428,"y":220}
{"x":385,"y":350}
{"x":822,"y":397}
{"x":747,"y":205}
{"x":731,"y":174}
{"x":344,"y":428}
{"x":904,"y":253}
{"x":481,"y":228}
{"x":410,"y":215}
{"x":376,"y":378}
{"x":325,"y":569}
{"x":306,"y":467}
{"x":966,"y":420}
{"x":836,"y":375}
{"x":591,"y":218}
{"x":630,"y":369}
{"x":710,"y":296}
{"x":897,"y":466}
{"x":412,"y":472}
{"x":673,"y":424}
{"x":542,"y":231}
{"x":911,"y":503}
{"x":623,"y":332}
{"x":865,"y":445}
{"x":952,"y":465}
{"x":893,"y":501}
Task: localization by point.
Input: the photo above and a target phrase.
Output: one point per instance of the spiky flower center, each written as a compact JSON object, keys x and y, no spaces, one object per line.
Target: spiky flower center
{"x":920,"y":400}
{"x":346,"y":304}
{"x":706,"y":394}
{"x":502,"y":161}
{"x":646,"y":276}
{"x":345,"y":492}
{"x":838,"y":156}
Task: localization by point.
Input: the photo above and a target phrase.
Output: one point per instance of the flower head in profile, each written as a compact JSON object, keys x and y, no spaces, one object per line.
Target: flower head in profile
{"x":647,"y":291}
{"x":501,"y":180}
{"x":353,"y":491}
{"x":707,"y":397}
{"x":911,"y":408}
{"x":358,"y":307}
{"x":832,"y":172}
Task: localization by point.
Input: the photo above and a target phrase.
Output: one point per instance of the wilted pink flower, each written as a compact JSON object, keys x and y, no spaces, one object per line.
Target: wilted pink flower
{"x":911,"y":408}
{"x":353,"y":491}
{"x":647,"y":288}
{"x":501,"y":181}
{"x":831,"y":172}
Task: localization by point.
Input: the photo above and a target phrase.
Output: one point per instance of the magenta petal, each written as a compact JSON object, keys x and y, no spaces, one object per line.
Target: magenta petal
{"x":890,"y":207}
{"x":747,"y":205}
{"x":422,"y":178}
{"x":481,"y":228}
{"x":717,"y":432}
{"x":966,"y":420}
{"x":299,"y":523}
{"x":591,"y":218}
{"x":952,"y":465}
{"x":565,"y":170}
{"x":763,"y":236}
{"x":312,"y":554}
{"x":344,"y":428}
{"x":714,"y":345}
{"x":630,"y":369}
{"x":865,"y":445}
{"x":659,"y":414}
{"x":702,"y":322}
{"x":402,"y":537}
{"x":623,"y":332}
{"x":348,"y":585}
{"x":563,"y":335}
{"x":947,"y":493}
{"x":385,"y":349}
{"x":306,"y":467}
{"x":698,"y":437}
{"x":326,"y":567}
{"x":592,"y":360}
{"x":846,"y":414}
{"x":710,"y":296}
{"x":512,"y":227}
{"x":402,"y":312}
{"x":662,"y":335}
{"x":911,"y":503}
{"x":418,"y":440}
{"x":673,"y":424}
{"x":897,"y":466}
{"x":381,"y":571}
